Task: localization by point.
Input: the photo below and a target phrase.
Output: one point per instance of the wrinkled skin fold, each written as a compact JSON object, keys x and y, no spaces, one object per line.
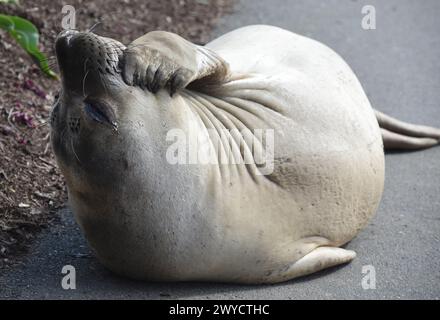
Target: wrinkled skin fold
{"x":147,"y":218}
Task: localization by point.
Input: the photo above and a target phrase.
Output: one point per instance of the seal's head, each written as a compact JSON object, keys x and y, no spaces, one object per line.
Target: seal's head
{"x":97,"y":118}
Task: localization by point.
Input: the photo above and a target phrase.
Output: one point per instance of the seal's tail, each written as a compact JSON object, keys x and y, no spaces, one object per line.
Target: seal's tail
{"x":397,"y":134}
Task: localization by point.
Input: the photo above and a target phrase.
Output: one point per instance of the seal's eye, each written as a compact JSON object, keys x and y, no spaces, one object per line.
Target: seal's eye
{"x":100,"y":112}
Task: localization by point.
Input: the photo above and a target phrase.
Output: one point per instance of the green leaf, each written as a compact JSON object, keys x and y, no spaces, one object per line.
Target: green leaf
{"x":9,"y":1}
{"x":26,"y":34}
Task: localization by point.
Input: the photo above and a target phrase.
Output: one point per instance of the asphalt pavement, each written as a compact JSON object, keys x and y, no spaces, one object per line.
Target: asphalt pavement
{"x":398,"y":64}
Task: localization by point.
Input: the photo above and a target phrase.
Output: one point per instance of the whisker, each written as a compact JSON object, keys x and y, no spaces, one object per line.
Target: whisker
{"x":54,"y":67}
{"x":85,"y":65}
{"x":49,"y":57}
{"x":103,"y":83}
{"x":51,"y":51}
{"x":93,"y":27}
{"x":84,"y":83}
{"x":63,"y":133}
{"x":52,"y":63}
{"x":46,"y":148}
{"x":45,"y":123}
{"x":86,"y":72}
{"x":73,"y":150}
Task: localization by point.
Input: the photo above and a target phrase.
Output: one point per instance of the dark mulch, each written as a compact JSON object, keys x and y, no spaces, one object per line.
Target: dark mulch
{"x":31,"y":187}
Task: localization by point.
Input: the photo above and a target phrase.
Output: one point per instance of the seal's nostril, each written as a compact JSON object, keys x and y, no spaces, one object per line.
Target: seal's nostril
{"x":64,"y":37}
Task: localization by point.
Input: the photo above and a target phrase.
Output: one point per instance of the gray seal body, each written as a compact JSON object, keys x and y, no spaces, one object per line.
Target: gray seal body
{"x":147,"y":218}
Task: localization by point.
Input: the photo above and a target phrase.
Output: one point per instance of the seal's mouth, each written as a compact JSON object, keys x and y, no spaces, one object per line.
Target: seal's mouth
{"x":85,"y":56}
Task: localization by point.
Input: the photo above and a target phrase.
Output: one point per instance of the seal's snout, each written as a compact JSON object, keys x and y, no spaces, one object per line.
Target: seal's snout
{"x":84,"y":55}
{"x":62,"y":44}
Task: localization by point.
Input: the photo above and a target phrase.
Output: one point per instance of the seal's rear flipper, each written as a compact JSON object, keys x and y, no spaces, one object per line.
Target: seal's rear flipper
{"x":394,"y":141}
{"x":397,"y":134}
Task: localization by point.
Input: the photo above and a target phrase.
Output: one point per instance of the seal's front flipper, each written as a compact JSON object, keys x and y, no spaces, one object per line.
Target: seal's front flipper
{"x":162,"y":59}
{"x":397,"y":134}
{"x":316,"y":260}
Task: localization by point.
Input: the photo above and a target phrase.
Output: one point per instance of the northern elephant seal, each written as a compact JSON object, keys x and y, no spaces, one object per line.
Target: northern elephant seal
{"x":147,"y":218}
